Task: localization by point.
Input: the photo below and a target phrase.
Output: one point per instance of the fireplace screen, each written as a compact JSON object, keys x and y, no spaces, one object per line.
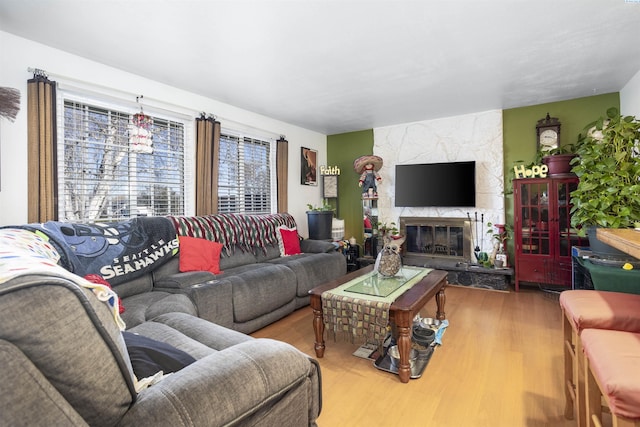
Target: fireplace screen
{"x":448,"y":238}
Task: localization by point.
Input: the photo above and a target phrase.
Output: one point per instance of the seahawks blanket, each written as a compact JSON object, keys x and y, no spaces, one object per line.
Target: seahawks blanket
{"x":118,"y":251}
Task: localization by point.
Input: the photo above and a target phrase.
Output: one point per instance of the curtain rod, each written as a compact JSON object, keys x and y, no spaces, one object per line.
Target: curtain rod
{"x":191,"y":111}
{"x":113,"y":92}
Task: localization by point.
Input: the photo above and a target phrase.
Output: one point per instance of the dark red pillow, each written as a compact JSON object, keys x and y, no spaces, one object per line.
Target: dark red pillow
{"x":288,"y":241}
{"x":199,"y":255}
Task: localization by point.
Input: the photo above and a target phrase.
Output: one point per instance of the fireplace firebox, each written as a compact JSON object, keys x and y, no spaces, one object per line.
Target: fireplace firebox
{"x":436,"y":238}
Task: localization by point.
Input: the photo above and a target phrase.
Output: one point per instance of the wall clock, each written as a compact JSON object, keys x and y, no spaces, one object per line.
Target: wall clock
{"x":329,"y":186}
{"x":548,"y":134}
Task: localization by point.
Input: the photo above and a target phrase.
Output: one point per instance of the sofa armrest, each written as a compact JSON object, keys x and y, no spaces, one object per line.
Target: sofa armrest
{"x":261,"y":382}
{"x":317,"y":246}
{"x":183,"y":280}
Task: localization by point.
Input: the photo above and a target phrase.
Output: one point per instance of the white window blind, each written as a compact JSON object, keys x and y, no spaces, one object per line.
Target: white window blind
{"x":245,"y":175}
{"x":101,"y":178}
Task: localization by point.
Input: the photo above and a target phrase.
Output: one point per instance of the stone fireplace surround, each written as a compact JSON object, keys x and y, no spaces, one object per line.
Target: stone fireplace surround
{"x":476,"y":136}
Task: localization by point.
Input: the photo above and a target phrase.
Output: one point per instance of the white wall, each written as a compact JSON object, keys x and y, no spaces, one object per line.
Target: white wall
{"x":19,"y":54}
{"x":475,"y":136}
{"x":630,"y":97}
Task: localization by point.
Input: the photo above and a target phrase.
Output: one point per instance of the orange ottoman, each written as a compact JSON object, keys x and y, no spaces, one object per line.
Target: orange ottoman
{"x":584,"y":309}
{"x":612,"y":371}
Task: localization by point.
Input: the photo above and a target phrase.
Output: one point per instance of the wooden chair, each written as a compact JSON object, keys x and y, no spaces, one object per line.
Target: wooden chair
{"x":612,"y":372}
{"x":584,"y":309}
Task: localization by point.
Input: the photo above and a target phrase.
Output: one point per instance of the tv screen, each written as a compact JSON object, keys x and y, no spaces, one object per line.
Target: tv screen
{"x":436,"y":184}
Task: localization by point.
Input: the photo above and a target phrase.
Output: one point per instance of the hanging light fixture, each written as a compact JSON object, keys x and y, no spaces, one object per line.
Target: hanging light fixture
{"x":140,"y":136}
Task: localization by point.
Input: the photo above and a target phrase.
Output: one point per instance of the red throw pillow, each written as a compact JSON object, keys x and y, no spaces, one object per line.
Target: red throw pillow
{"x":288,"y":241}
{"x":199,"y":255}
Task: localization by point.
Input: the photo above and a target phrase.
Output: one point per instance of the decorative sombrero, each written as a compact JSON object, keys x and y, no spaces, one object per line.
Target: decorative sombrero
{"x":361,"y":162}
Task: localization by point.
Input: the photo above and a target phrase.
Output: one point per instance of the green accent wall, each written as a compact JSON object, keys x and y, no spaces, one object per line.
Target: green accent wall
{"x":519,"y":132}
{"x":342,"y":150}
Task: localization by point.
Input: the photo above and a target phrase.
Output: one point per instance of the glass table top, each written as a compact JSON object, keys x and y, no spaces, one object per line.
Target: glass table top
{"x":378,"y":285}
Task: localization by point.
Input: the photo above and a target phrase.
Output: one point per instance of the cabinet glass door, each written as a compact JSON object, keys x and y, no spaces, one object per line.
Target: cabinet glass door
{"x":567,"y":236}
{"x":534,"y":205}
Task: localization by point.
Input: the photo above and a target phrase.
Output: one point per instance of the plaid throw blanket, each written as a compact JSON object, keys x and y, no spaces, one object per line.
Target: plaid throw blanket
{"x":248,"y":232}
{"x":357,"y":319}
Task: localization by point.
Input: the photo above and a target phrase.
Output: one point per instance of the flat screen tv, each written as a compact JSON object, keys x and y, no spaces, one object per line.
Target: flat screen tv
{"x":450,"y":184}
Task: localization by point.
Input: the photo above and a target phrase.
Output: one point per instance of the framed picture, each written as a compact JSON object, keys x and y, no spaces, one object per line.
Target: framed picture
{"x":329,"y":186}
{"x":308,"y":166}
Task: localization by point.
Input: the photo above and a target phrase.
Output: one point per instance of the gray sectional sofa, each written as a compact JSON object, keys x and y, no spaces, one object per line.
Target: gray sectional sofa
{"x":64,"y":357}
{"x":140,"y":258}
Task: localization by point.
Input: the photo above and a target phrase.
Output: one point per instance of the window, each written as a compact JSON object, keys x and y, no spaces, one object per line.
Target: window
{"x":103,"y":178}
{"x":245,"y":175}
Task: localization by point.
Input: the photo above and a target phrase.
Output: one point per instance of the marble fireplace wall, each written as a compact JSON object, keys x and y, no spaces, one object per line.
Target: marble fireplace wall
{"x":475,"y":136}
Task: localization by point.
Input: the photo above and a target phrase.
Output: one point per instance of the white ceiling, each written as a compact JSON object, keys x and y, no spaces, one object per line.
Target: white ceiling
{"x":343,"y":65}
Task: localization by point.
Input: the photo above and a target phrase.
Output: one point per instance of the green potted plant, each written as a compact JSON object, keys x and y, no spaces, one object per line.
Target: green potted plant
{"x":500,"y":235}
{"x":390,"y":229}
{"x":608,"y":165}
{"x":319,"y":219}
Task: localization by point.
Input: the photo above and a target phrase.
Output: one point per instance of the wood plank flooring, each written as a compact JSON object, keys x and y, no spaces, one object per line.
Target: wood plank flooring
{"x":500,"y":365}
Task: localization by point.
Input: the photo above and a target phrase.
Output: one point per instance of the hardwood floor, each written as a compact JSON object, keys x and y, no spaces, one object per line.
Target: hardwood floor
{"x":500,"y":365}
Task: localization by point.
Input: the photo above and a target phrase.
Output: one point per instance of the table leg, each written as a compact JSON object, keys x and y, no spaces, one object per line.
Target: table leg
{"x":440,"y":301}
{"x":404,"y":347}
{"x":318,"y":329}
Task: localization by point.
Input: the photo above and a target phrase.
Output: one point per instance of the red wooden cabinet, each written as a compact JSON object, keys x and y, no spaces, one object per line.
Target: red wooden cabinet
{"x":543,"y":235}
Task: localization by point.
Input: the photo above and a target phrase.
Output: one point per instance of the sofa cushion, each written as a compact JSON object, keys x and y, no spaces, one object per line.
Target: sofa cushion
{"x":261,"y":290}
{"x":143,"y":307}
{"x":139,"y":285}
{"x":236,"y":257}
{"x":271,"y":252}
{"x":288,"y":241}
{"x":199,"y":255}
{"x":312,"y":270}
{"x":193,"y":335}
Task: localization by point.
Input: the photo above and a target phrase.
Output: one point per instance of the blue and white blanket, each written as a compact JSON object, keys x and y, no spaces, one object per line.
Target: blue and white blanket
{"x":118,"y":251}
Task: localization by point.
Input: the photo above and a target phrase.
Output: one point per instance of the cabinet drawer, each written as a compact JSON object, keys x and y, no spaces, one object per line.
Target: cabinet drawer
{"x":531,"y":271}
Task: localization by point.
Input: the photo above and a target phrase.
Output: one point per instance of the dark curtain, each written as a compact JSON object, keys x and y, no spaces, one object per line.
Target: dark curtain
{"x":207,"y":157}
{"x":282,"y":170}
{"x":41,"y":149}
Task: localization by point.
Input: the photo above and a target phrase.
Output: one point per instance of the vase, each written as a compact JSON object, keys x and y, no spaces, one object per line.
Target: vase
{"x":388,"y":264}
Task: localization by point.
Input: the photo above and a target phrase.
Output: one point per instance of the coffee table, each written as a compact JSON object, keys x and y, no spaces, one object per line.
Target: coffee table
{"x":401,"y":313}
